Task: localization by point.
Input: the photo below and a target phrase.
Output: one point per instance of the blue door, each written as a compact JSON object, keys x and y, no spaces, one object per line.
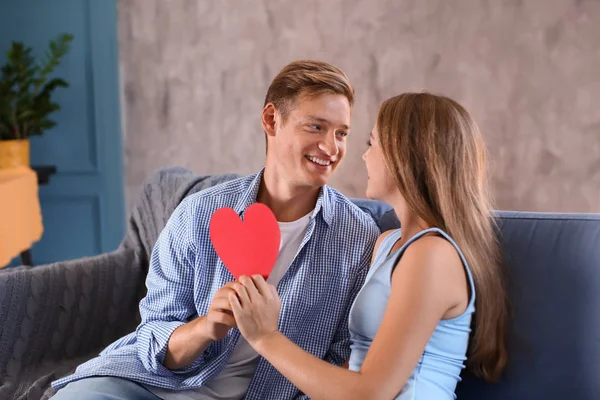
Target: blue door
{"x":83,"y":205}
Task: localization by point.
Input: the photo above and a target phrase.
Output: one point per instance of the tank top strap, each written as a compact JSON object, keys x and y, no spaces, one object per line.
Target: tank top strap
{"x":460,"y":253}
{"x":386,"y":245}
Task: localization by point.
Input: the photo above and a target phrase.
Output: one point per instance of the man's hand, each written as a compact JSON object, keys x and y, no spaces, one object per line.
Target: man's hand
{"x":188,"y":341}
{"x":219,"y":319}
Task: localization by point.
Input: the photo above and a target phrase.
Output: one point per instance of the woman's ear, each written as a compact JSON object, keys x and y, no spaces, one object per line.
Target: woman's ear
{"x":268,"y":119}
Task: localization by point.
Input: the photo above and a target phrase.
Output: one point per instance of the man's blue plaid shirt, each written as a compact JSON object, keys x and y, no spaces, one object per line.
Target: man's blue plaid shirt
{"x":185,"y":272}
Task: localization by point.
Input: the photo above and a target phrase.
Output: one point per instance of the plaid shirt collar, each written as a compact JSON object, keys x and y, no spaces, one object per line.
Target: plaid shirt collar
{"x":323,"y":205}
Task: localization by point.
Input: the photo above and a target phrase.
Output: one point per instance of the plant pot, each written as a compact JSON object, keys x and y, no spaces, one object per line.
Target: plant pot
{"x":14,"y":153}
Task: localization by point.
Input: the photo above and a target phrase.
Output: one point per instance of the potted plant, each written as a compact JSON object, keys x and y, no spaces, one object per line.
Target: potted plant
{"x":25,"y":97}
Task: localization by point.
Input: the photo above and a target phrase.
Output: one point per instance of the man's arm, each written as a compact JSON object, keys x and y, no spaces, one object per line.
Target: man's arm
{"x":202,"y":331}
{"x":169,"y":303}
{"x":186,"y":344}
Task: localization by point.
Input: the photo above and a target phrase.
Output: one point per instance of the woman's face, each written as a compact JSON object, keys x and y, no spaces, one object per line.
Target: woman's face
{"x":380,"y":184}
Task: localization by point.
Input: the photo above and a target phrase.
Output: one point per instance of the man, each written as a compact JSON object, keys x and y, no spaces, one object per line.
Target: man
{"x":186,"y":346}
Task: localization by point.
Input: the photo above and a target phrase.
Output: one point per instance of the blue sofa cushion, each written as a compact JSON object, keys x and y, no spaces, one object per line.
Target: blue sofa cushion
{"x":553,"y":263}
{"x":382,"y":213}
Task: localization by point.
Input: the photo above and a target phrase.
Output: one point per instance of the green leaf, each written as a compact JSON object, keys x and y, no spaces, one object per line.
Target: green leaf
{"x":25,"y":88}
{"x":47,"y":124}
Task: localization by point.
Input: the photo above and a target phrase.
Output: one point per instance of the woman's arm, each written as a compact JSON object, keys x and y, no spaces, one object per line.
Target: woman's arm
{"x":428,"y":281}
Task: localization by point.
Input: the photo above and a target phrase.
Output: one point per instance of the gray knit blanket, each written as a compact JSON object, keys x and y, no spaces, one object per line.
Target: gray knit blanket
{"x":54,"y":317}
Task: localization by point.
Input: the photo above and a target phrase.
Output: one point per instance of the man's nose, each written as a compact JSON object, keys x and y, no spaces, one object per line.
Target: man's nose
{"x":329,"y":145}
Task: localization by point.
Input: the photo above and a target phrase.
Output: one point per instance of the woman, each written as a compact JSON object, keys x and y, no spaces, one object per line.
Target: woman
{"x":410,"y":324}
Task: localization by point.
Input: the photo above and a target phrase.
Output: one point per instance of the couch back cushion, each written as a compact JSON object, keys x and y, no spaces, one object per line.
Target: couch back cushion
{"x":553,"y":263}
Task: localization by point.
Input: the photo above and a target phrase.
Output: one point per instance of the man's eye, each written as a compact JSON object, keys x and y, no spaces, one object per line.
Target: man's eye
{"x":343,"y":134}
{"x":316,"y":127}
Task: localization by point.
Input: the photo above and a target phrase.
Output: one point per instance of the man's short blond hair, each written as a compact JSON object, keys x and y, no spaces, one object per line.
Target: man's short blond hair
{"x":307,"y":79}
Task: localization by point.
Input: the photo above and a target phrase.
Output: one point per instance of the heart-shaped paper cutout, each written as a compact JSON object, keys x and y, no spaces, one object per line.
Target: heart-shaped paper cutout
{"x":248,"y":247}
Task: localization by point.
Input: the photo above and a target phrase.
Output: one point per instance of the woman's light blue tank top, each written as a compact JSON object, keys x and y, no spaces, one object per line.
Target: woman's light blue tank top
{"x":437,"y":372}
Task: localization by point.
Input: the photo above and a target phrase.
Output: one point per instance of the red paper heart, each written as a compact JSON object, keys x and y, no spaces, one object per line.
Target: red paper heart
{"x":248,"y":247}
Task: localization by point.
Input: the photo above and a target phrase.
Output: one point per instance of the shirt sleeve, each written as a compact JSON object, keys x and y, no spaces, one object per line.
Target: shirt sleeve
{"x":169,"y":302}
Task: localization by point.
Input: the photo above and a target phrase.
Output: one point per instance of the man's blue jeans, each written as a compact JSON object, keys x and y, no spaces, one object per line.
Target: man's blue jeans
{"x":104,"y":388}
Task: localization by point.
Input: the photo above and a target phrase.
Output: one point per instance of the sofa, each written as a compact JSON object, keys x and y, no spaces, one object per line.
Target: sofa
{"x":54,"y":317}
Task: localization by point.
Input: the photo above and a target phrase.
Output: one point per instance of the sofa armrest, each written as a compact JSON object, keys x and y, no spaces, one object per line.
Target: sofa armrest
{"x":66,"y":309}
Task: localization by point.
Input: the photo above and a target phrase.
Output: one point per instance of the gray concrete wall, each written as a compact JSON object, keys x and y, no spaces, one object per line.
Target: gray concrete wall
{"x":195,"y":72}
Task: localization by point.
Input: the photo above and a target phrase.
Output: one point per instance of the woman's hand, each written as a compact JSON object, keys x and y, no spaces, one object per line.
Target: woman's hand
{"x":255,"y":305}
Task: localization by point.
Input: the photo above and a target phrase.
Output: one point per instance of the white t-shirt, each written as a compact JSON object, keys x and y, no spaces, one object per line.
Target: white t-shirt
{"x":233,"y":381}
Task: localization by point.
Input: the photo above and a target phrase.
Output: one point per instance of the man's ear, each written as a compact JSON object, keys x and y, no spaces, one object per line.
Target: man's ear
{"x":269,"y":119}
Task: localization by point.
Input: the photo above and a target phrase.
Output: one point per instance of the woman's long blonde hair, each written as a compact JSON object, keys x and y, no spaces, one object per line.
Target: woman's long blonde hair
{"x":437,"y":157}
